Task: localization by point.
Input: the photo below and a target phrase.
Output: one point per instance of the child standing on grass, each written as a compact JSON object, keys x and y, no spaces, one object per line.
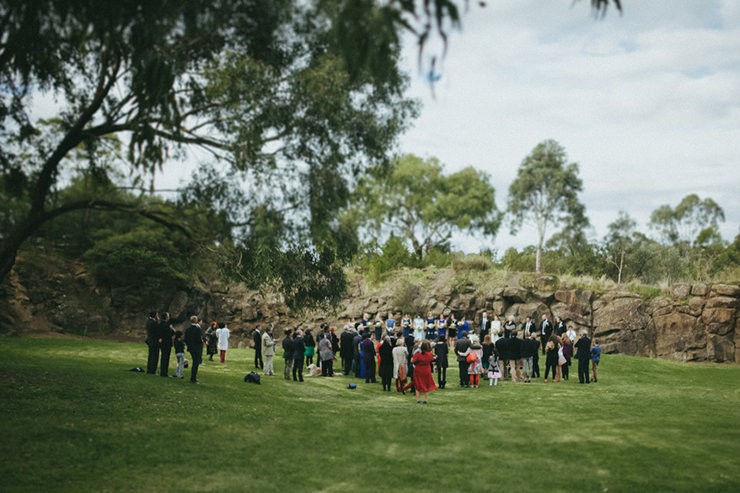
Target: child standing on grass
{"x":476,"y":367}
{"x":179,"y":354}
{"x":595,"y":359}
{"x":494,"y":373}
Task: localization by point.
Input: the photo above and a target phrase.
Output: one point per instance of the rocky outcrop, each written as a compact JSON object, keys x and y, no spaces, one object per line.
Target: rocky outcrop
{"x":696,"y":322}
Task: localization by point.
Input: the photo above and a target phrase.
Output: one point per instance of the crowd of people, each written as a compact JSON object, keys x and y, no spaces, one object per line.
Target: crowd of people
{"x":408,"y":352}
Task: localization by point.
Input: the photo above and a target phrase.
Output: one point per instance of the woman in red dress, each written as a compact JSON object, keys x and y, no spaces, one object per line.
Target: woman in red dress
{"x":423,"y":381}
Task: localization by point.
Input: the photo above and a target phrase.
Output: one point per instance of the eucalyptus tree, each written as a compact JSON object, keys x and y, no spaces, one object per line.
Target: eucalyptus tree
{"x":683,"y":225}
{"x":545,"y":192}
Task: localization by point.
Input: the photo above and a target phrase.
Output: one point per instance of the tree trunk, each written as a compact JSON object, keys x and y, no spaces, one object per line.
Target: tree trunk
{"x":538,"y":261}
{"x":10,"y":246}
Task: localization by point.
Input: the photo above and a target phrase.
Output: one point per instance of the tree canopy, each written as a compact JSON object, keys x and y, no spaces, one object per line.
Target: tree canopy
{"x":415,"y":200}
{"x":691,"y":218}
{"x":545,"y":192}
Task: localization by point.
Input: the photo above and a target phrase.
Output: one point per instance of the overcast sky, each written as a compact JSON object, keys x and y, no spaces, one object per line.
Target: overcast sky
{"x":647,"y":102}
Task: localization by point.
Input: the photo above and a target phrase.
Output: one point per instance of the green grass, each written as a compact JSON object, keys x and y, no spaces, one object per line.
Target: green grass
{"x":73,"y":420}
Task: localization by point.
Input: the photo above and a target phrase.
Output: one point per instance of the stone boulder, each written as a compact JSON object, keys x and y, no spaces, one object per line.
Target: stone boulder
{"x":620,"y":314}
{"x":677,"y":333}
{"x":696,"y":305}
{"x":718,"y":315}
{"x":726,"y":290}
{"x":520,"y":311}
{"x":723,"y":302}
{"x":720,"y":348}
{"x":680,"y":291}
{"x":516,"y":295}
{"x":701,"y":289}
{"x":178,"y":307}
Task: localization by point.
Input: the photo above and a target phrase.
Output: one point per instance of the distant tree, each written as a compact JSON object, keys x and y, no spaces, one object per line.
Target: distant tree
{"x":545,"y":192}
{"x":619,"y":240}
{"x":682,"y":225}
{"x":414,"y":199}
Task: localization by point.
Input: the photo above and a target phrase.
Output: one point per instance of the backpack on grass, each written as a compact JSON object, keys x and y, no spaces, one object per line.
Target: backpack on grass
{"x":252,"y":378}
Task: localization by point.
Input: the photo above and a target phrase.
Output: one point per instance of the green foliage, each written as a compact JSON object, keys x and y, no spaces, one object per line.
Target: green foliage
{"x":545,"y":192}
{"x":438,"y":257}
{"x":514,"y":260}
{"x":647,"y":293}
{"x":143,"y":262}
{"x":461,"y":262}
{"x":690,"y":219}
{"x":412,"y":198}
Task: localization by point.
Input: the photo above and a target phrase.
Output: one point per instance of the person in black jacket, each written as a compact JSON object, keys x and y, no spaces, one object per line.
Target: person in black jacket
{"x":502,"y":346}
{"x":385,"y":370}
{"x":530,"y":350}
{"x":194,"y":341}
{"x":346,"y":351}
{"x":151,"y":341}
{"x":583,"y":356}
{"x":515,"y":355}
{"x":299,"y":348}
{"x":461,"y":346}
{"x":441,"y":351}
{"x":257,"y":337}
{"x":357,"y":362}
{"x":560,"y":328}
{"x":545,"y":331}
{"x":288,"y":353}
{"x":164,"y":337}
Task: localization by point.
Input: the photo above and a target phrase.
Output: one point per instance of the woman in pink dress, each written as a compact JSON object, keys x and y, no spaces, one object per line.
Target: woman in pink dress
{"x":423,"y":381}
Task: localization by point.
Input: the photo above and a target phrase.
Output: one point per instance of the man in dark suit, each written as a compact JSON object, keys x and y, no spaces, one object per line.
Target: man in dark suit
{"x":485,"y":325}
{"x":194,"y":340}
{"x":356,"y":352}
{"x":560,"y":328}
{"x":299,"y":350}
{"x":288,"y":349}
{"x":515,"y":356}
{"x":164,"y":337}
{"x":462,"y":345}
{"x":583,"y":346}
{"x":258,"y":363}
{"x":151,"y":342}
{"x":502,"y":346}
{"x":346,"y":351}
{"x":545,"y":332}
{"x":529,"y":326}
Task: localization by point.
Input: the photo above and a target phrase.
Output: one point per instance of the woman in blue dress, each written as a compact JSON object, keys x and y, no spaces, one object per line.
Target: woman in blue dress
{"x":442,"y":326}
{"x":462,"y":326}
{"x":431,"y":328}
{"x":378,"y":328}
{"x":390,"y":326}
{"x":406,"y":325}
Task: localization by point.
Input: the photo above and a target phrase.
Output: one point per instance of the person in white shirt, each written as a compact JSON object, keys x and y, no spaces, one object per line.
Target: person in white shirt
{"x":223,"y":335}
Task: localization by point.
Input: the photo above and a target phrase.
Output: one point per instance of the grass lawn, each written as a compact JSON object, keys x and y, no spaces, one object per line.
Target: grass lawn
{"x":72,"y":420}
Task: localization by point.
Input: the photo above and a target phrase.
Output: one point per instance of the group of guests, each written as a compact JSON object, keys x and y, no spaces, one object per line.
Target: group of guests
{"x":162,"y":338}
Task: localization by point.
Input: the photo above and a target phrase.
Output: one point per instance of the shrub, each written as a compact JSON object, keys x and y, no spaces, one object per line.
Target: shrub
{"x":462,"y":262}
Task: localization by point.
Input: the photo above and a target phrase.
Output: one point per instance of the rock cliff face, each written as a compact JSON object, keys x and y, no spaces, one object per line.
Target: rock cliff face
{"x":696,"y":323}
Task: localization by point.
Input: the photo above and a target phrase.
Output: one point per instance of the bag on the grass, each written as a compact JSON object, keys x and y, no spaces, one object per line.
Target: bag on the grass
{"x":352,"y":386}
{"x":138,"y":369}
{"x":252,"y":378}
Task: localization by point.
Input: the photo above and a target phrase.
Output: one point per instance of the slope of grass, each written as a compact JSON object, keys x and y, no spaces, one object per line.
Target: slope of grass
{"x":72,"y":420}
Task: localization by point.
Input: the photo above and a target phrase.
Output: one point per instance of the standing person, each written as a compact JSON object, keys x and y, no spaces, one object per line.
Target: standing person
{"x":485,"y":325}
{"x":431,"y":327}
{"x":152,"y":343}
{"x":502,"y":347}
{"x":441,"y":326}
{"x":545,"y":332}
{"x":536,"y":357}
{"x":568,"y":354}
{"x":194,"y":341}
{"x":400,"y":364}
{"x":418,"y":328}
{"x":378,"y":328}
{"x":212,"y":347}
{"x":495,"y":329}
{"x":390,"y":325}
{"x":551,"y":361}
{"x":385,"y":369}
{"x":288,"y":353}
{"x":406,"y":325}
{"x":529,"y":326}
{"x":514,"y":347}
{"x":409,"y":341}
{"x":179,"y":354}
{"x":595,"y":359}
{"x":583,"y":355}
{"x":462,"y":326}
{"x":268,"y":350}
{"x":365,"y":323}
{"x":345,"y":349}
{"x":310,"y":347}
{"x":299,"y":348}
{"x":488,"y":348}
{"x":326,"y":355}
{"x":461,"y":349}
{"x":257,"y":337}
{"x":423,"y":381}
{"x":334,"y":340}
{"x":475,"y":366}
{"x":441,"y":351}
{"x":494,"y":372}
{"x":223,"y":333}
{"x":508,"y":327}
{"x":357,"y":349}
{"x":452,"y":331}
{"x":164,"y":337}
{"x":559,"y":327}
{"x":368,"y":357}
{"x":571,"y":334}
{"x":530,"y":349}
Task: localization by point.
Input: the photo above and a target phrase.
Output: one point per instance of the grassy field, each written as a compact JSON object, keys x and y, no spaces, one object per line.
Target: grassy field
{"x":72,"y":420}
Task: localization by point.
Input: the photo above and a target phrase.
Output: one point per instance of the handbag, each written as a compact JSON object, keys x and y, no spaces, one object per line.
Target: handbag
{"x":561,"y":358}
{"x":471,"y":357}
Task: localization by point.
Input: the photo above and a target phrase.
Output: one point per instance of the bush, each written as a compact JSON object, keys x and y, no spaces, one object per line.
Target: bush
{"x":144,"y":262}
{"x":462,"y":262}
{"x":647,"y":293}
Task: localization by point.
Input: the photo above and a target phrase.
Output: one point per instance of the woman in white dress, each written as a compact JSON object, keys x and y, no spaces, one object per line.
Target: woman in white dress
{"x":400,"y":359}
{"x":495,"y":329}
{"x":223,"y":335}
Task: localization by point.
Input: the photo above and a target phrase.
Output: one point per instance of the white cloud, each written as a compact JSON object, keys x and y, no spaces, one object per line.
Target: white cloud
{"x":647,"y":102}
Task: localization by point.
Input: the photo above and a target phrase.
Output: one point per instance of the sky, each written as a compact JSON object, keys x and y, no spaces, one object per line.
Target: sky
{"x":646,"y":102}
